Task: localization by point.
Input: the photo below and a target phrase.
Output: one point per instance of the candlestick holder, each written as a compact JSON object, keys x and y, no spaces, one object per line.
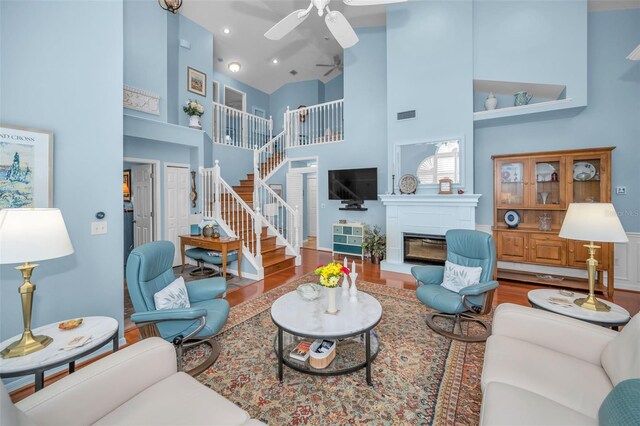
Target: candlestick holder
{"x":393,"y":184}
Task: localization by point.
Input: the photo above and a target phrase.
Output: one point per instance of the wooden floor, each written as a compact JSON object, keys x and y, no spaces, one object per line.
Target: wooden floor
{"x":507,"y":292}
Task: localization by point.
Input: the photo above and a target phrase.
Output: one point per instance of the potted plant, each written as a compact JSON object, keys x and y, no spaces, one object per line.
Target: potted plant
{"x":375,"y":243}
{"x":194,"y":110}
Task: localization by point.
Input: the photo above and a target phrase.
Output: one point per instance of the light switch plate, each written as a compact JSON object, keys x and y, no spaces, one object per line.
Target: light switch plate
{"x":98,"y":228}
{"x":621,"y":190}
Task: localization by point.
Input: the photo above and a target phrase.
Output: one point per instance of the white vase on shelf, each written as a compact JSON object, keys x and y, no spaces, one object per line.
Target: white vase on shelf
{"x":194,"y":122}
{"x":491,"y":102}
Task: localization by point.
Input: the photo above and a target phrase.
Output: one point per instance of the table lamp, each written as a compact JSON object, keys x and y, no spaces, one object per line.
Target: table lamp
{"x":592,"y":222}
{"x":28,"y":235}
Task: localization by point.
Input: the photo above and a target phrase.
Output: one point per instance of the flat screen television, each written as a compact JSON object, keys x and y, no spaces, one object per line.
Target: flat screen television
{"x":353,"y":184}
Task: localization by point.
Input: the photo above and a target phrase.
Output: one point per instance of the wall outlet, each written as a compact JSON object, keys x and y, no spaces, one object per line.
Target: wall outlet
{"x":98,"y":228}
{"x":322,"y":206}
{"x":621,"y":190}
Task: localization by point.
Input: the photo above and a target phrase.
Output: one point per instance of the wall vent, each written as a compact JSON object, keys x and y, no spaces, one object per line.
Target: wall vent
{"x":293,"y":72}
{"x":407,"y":115}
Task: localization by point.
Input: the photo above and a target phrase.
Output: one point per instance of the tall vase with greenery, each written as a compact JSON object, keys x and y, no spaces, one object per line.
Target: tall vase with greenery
{"x":375,"y":243}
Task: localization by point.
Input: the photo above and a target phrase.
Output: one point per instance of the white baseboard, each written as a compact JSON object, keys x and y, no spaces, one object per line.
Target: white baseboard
{"x":15,"y":384}
{"x":626,"y":263}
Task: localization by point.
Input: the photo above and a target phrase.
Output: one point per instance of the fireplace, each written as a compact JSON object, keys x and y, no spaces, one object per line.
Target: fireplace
{"x":425,"y":249}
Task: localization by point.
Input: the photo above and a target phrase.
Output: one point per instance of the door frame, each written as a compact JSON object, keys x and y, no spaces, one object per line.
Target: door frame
{"x":316,"y":177}
{"x":165,"y":166}
{"x":307,"y":171}
{"x":157,"y":211}
{"x":244,"y":97}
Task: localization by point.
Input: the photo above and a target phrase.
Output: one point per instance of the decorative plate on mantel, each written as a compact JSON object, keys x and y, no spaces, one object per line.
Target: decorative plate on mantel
{"x":408,"y":184}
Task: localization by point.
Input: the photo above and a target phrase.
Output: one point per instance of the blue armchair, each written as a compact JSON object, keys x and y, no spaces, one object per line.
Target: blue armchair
{"x":466,"y":248}
{"x":149,"y":270}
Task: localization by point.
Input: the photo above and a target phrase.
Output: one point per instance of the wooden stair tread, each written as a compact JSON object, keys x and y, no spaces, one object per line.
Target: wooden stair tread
{"x":275,"y":248}
{"x":275,"y":258}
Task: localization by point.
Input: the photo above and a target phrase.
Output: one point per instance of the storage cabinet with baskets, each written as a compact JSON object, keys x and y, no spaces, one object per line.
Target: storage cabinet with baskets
{"x":531,"y":195}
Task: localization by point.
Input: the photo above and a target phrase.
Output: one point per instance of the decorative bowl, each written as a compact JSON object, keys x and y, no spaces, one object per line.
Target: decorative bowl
{"x":309,"y":291}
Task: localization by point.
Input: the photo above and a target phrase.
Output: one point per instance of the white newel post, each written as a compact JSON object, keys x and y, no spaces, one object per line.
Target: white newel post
{"x":296,"y":230}
{"x":257,"y":226}
{"x":216,"y":191}
{"x":270,"y":127}
{"x":256,"y":177}
{"x":287,"y":129}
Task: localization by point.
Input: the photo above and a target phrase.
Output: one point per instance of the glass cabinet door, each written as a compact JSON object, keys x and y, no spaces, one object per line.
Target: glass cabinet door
{"x":586,"y":180}
{"x":512,"y":180}
{"x":547,"y":183}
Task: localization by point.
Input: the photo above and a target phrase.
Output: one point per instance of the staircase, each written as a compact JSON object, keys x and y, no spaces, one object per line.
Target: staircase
{"x":274,"y":255}
{"x":269,"y":227}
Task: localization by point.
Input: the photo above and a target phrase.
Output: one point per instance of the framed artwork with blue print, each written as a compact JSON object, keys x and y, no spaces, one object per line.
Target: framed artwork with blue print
{"x":26,"y":168}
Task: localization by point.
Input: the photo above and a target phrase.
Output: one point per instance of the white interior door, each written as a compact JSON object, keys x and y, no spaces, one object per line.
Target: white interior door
{"x":312,"y":205}
{"x":176,"y":204}
{"x":294,"y":198}
{"x":142,"y":204}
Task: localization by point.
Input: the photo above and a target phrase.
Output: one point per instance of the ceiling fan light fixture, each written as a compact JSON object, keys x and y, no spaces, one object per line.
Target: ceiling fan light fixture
{"x":234,"y":67}
{"x":170,"y":5}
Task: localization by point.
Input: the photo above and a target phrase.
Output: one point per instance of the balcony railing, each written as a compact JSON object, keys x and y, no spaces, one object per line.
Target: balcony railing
{"x":240,"y":129}
{"x":316,"y":124}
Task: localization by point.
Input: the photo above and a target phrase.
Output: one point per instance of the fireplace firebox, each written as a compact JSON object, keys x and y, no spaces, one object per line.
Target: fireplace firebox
{"x":425,"y":249}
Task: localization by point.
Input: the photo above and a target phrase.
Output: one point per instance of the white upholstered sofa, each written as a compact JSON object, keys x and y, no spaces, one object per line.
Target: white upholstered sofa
{"x":542,"y":368}
{"x":138,"y":385}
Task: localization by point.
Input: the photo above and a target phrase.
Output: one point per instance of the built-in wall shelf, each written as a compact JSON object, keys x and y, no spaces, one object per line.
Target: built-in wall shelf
{"x":146,"y":128}
{"x":524,"y":109}
{"x":538,"y":90}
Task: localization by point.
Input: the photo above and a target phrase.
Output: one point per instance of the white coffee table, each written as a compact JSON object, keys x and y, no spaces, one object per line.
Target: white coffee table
{"x":616,"y":317}
{"x":307,"y":319}
{"x":101,"y":329}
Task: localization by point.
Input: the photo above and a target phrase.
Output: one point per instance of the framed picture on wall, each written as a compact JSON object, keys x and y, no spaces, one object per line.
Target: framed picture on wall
{"x":196,"y":82}
{"x":26,"y":167}
{"x":277,"y":188}
{"x":126,"y":185}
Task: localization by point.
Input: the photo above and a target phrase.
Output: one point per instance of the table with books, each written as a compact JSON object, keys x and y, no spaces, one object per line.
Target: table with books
{"x":311,"y":341}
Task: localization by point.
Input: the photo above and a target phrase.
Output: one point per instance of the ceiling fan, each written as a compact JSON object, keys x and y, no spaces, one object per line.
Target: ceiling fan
{"x":336,"y":22}
{"x":336,"y":65}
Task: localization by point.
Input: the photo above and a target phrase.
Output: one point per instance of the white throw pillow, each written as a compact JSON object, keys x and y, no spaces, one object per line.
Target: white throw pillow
{"x":621,"y":357}
{"x":173,"y":296}
{"x":457,"y":277}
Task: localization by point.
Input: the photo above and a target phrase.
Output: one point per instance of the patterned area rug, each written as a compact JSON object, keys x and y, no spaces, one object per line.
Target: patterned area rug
{"x":418,"y":377}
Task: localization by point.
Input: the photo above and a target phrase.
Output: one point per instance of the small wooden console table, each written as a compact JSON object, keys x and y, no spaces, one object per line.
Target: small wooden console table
{"x":222,"y":244}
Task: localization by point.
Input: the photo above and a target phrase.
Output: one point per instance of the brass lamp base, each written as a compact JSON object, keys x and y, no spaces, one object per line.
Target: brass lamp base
{"x":26,"y":345}
{"x":590,"y":302}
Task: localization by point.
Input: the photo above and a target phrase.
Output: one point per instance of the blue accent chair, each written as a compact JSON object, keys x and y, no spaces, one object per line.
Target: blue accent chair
{"x":466,"y":248}
{"x":149,"y":270}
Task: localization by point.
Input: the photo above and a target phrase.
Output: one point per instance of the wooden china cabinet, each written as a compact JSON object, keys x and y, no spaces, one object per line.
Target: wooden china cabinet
{"x":539,"y":187}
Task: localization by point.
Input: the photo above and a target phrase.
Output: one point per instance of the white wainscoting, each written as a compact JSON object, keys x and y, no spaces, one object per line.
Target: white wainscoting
{"x":626,"y":263}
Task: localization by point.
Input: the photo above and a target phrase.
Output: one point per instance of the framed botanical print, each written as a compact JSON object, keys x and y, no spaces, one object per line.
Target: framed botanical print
{"x":126,"y":185}
{"x":26,"y":167}
{"x":196,"y":81}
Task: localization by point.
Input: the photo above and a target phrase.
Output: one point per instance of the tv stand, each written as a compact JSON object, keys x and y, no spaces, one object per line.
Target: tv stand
{"x":353,"y":205}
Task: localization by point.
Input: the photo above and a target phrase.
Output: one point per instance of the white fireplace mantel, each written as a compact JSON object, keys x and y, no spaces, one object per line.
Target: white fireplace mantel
{"x":431,"y":214}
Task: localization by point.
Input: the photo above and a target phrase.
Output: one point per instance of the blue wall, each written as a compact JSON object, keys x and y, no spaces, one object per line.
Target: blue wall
{"x":365,"y":132}
{"x":64,"y":74}
{"x":334,"y":89}
{"x":255,"y":98}
{"x":611,"y":119}
{"x":430,"y":69}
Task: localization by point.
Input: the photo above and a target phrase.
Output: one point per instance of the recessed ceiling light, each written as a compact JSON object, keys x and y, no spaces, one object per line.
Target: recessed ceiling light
{"x":226,"y":30}
{"x":234,"y":66}
{"x":275,"y":61}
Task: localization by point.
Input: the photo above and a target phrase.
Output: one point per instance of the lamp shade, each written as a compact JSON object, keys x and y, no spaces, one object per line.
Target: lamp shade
{"x":593,"y":222}
{"x":31,"y":235}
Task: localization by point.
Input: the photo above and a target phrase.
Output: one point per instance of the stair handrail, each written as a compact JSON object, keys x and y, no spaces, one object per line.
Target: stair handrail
{"x":248,"y":131}
{"x":214,"y":184}
{"x":315,"y":124}
{"x":286,"y":225}
{"x":266,"y":155}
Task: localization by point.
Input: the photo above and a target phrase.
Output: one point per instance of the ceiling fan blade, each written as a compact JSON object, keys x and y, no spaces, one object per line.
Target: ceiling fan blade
{"x":324,"y":65}
{"x":328,"y":72}
{"x":370,"y":2}
{"x":287,"y":25}
{"x":341,"y":29}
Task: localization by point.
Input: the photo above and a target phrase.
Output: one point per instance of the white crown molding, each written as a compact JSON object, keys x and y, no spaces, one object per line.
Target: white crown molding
{"x":140,"y":100}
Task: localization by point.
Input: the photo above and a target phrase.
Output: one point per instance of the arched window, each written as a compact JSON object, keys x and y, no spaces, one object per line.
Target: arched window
{"x":443,"y":164}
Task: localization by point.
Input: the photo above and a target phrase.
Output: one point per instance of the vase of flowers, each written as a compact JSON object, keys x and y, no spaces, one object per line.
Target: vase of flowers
{"x":330,"y":275}
{"x":194,"y":110}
